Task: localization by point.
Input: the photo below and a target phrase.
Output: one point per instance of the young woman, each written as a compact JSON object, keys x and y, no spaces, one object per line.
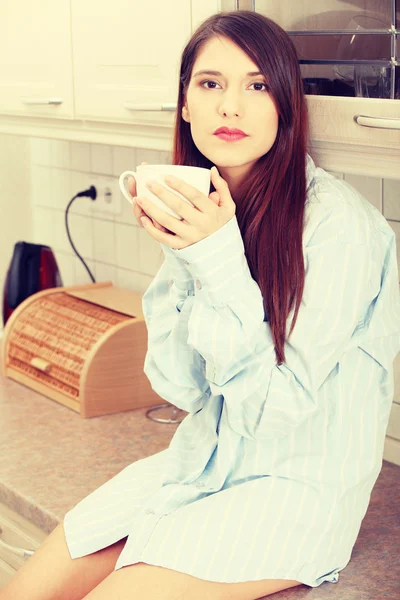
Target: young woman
{"x":273,"y":321}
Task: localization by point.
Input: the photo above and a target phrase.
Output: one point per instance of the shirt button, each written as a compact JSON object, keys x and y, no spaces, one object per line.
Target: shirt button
{"x":200,"y":485}
{"x":149,"y":511}
{"x":198,"y":284}
{"x":185,"y":261}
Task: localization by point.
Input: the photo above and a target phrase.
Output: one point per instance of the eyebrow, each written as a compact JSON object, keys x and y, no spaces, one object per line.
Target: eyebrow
{"x":208,"y":72}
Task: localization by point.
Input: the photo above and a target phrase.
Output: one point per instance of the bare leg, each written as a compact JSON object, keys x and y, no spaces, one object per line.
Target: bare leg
{"x":51,"y":574}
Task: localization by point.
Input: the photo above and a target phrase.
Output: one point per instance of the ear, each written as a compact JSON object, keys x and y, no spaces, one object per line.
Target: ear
{"x":185,"y":114}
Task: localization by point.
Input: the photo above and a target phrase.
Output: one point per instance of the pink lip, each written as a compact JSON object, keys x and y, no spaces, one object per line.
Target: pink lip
{"x":229,"y":131}
{"x":229,"y":137}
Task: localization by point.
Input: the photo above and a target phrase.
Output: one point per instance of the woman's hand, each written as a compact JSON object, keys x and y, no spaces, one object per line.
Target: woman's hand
{"x":208,"y":214}
{"x":138,"y":212}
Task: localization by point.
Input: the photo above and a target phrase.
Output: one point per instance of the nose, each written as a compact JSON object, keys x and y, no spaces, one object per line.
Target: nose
{"x":229,"y":105}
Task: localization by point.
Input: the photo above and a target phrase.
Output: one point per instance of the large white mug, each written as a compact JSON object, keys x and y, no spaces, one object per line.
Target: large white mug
{"x":198,"y":177}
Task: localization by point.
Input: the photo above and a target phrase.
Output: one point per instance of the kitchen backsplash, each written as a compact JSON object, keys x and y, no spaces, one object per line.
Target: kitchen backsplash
{"x":114,"y":247}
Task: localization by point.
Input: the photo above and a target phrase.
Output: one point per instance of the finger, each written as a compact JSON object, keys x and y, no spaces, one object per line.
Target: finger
{"x":132,"y":186}
{"x":170,"y":223}
{"x":132,"y":183}
{"x":196,"y":198}
{"x":215,"y":197}
{"x":162,"y":237}
{"x":138,"y":212}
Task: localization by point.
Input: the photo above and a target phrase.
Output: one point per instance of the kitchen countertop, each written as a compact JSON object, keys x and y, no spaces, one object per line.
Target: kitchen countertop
{"x":52,"y":458}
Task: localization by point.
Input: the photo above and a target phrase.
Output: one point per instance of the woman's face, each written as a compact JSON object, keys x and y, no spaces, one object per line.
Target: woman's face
{"x":232,"y":99}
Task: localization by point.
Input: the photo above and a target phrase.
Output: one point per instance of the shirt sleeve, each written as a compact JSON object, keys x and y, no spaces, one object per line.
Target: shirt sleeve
{"x":227,"y":327}
{"x":175,"y":369}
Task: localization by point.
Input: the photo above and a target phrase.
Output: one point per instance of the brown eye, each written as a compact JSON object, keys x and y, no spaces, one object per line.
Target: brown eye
{"x":260,"y":83}
{"x":208,"y":81}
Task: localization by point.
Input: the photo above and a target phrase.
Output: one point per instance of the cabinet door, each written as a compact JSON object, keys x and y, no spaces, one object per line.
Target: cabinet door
{"x":35,"y":58}
{"x":345,"y":49}
{"x":127,"y":54}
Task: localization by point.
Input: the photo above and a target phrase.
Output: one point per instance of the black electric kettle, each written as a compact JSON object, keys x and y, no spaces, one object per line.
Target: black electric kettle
{"x":33,"y":268}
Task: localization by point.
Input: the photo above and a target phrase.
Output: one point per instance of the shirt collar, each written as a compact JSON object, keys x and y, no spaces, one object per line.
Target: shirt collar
{"x":310,"y":170}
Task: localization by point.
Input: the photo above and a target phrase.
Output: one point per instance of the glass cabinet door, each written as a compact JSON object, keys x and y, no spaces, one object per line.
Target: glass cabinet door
{"x":345,"y":47}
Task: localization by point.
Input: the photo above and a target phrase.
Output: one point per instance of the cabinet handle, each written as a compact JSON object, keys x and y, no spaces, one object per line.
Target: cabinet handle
{"x":42,"y":101}
{"x":41,"y":364}
{"x":14,"y":549}
{"x":377,"y":122}
{"x":166,"y":106}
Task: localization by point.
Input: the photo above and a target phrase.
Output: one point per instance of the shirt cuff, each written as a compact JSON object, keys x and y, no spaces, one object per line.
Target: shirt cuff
{"x":218,"y":264}
{"x":178,"y":271}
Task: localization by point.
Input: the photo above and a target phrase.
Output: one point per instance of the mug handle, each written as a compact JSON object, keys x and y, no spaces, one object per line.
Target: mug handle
{"x":122,"y":185}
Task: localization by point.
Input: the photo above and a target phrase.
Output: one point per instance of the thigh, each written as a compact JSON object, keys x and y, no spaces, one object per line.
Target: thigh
{"x":150,"y":582}
{"x":51,"y":572}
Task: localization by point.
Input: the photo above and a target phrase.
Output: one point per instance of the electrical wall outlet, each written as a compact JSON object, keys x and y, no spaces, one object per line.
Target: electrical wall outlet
{"x":108,"y":195}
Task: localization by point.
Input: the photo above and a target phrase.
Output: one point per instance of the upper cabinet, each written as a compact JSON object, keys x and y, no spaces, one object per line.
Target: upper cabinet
{"x":125,"y":57}
{"x":35,"y":58}
{"x":345,"y":47}
{"x":107,"y":72}
{"x":348,"y":52}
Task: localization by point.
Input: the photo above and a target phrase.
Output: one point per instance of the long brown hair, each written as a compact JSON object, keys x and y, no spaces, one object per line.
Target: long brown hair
{"x":270,"y":213}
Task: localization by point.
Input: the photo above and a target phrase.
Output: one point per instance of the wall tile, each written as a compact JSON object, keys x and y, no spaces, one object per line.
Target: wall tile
{"x":126,"y":215}
{"x":391,"y":199}
{"x":395,"y":225}
{"x":105,"y":272}
{"x":104,"y":241}
{"x":60,"y":188}
{"x":60,"y":154}
{"x":81,"y":232}
{"x":80,"y":156}
{"x":41,"y":186}
{"x":101,"y":159}
{"x":335,"y":174}
{"x":61,"y":242}
{"x":82,"y":277}
{"x":369,"y":187}
{"x":123,"y":159}
{"x":43,"y":229}
{"x":40,"y":149}
{"x":129,"y":280}
{"x":153,"y":157}
{"x":66,"y":266}
{"x":80,"y":182}
{"x":166,"y":157}
{"x":127,"y":247}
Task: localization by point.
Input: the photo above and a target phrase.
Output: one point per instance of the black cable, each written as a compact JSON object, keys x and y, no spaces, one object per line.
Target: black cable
{"x":92,"y":193}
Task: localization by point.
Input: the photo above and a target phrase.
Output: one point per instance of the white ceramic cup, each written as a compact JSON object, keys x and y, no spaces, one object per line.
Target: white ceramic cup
{"x":198,"y":177}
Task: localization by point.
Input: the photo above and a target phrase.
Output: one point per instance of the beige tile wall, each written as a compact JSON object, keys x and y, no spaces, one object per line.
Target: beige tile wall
{"x":114,"y":247}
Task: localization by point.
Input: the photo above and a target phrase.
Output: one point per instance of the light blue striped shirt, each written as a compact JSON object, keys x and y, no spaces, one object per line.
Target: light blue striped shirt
{"x":270,"y":473}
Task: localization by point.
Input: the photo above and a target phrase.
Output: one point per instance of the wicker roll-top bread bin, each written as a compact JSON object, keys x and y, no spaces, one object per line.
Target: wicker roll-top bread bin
{"x":83,"y":346}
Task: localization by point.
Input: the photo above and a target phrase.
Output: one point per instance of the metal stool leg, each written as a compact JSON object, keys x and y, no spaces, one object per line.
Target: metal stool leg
{"x":174,"y":414}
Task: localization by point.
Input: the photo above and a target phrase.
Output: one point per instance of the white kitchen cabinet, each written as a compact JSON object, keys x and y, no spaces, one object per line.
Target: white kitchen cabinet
{"x":35,"y":58}
{"x":16,"y":535}
{"x":126,"y":55}
{"x":348,"y":57}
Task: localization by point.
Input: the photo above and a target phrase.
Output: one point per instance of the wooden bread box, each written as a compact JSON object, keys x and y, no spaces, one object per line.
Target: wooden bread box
{"x":82,"y":346}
